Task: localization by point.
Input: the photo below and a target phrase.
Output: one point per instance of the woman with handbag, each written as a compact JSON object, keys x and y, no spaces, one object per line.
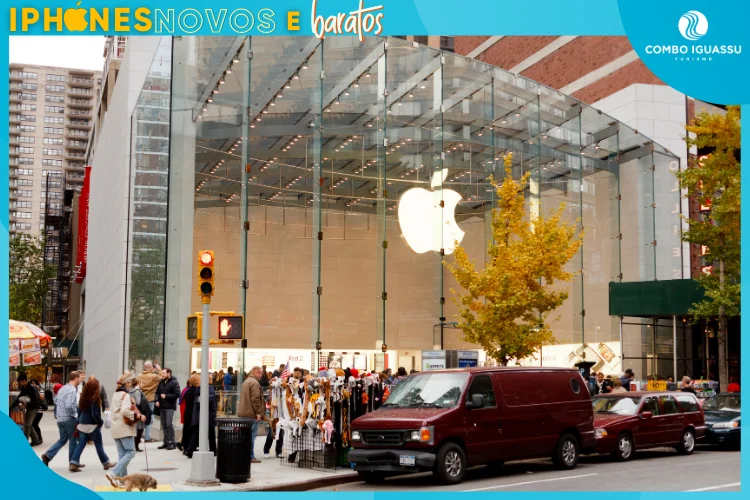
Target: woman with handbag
{"x":138,"y":396}
{"x":89,"y":427}
{"x":124,"y":417}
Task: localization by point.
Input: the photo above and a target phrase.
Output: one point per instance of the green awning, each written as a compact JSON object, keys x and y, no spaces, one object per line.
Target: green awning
{"x":654,"y":298}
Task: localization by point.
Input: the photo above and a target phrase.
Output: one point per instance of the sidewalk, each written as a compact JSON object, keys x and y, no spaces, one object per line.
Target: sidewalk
{"x":171,"y":468}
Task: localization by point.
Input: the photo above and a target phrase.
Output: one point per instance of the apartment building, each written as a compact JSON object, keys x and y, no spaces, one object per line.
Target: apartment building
{"x":50,"y":122}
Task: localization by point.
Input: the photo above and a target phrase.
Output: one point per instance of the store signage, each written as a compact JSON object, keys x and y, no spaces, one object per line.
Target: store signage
{"x":468,"y":359}
{"x":83,"y":228}
{"x":433,"y":360}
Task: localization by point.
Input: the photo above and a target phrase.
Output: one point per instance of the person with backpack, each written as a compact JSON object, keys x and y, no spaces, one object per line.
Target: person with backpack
{"x":141,"y":402}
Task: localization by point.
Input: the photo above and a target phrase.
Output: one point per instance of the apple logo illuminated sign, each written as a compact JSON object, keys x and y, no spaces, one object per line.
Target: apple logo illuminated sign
{"x":424,"y":224}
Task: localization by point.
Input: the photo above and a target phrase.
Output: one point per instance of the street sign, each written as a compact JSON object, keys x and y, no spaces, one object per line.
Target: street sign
{"x":231,"y":328}
{"x":193,"y":332}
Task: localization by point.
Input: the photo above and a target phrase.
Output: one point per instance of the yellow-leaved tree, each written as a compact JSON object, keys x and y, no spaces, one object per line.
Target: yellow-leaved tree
{"x":505,"y":306}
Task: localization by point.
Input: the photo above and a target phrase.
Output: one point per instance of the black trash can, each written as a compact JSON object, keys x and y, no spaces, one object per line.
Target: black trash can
{"x":233,"y":450}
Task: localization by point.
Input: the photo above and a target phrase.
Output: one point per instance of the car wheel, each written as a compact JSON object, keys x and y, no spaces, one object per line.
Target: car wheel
{"x":371,"y":477}
{"x":624,"y":448}
{"x":450,"y":464}
{"x":567,"y":452}
{"x":687,"y":443}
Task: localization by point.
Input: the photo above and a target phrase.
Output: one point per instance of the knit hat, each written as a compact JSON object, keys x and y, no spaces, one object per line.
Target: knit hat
{"x":56,"y":388}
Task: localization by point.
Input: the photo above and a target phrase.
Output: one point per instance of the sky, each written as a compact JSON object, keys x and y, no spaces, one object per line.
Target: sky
{"x":79,"y":52}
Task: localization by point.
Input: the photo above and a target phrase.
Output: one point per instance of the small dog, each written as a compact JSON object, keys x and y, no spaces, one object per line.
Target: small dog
{"x":140,"y":481}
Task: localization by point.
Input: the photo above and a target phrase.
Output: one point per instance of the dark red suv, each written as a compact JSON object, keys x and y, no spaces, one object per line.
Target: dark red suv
{"x":631,"y":421}
{"x":445,"y":421}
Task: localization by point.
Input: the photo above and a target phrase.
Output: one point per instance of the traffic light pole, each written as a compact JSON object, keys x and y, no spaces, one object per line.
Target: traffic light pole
{"x":203,"y":464}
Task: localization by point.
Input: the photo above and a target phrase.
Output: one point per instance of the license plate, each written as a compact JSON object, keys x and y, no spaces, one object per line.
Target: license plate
{"x":406,"y":460}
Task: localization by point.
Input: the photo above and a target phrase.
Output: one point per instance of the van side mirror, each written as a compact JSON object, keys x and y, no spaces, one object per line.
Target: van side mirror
{"x":646,"y":415}
{"x":476,"y":401}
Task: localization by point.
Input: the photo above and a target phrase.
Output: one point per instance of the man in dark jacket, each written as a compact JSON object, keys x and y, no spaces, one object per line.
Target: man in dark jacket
{"x":167,"y":395}
{"x":34,"y":403}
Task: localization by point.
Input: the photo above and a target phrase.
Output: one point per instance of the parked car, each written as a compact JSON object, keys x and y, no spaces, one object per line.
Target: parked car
{"x":723,"y":419}
{"x":445,"y":421}
{"x":630,"y":421}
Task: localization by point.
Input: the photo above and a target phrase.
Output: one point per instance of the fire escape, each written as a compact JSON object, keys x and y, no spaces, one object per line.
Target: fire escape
{"x":57,"y":254}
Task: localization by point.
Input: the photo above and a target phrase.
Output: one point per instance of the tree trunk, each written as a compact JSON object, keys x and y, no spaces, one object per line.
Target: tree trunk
{"x":722,"y":333}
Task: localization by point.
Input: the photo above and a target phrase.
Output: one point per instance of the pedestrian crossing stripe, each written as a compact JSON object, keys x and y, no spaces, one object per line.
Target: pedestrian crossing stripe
{"x":111,"y":489}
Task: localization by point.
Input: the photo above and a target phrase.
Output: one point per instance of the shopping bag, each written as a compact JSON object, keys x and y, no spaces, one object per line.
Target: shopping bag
{"x":107,"y":420}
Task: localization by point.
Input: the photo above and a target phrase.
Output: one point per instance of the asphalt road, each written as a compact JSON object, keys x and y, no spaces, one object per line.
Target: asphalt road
{"x":708,"y":469}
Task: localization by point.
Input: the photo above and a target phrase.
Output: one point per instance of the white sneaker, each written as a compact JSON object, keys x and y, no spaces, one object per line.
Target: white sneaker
{"x":266,"y":455}
{"x":113,"y":480}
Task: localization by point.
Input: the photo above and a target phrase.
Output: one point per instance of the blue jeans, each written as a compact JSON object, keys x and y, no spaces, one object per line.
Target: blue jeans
{"x":67,"y":431}
{"x":253,"y":435}
{"x":147,"y":432}
{"x":125,"y":453}
{"x":96,"y":437}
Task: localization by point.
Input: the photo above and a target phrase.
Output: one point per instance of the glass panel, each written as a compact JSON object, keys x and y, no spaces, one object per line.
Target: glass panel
{"x":667,"y":222}
{"x":148,"y":230}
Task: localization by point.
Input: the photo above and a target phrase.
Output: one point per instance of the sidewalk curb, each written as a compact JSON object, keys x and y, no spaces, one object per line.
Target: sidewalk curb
{"x":306,"y":485}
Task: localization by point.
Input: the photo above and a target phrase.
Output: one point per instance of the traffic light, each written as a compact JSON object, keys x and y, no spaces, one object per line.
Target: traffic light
{"x":206,"y":274}
{"x":231,"y":328}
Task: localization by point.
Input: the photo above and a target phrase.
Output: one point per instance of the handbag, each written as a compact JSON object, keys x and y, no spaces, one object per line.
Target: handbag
{"x":134,"y":409}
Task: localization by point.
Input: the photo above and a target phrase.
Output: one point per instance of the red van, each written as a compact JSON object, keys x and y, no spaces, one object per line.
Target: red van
{"x":445,"y":421}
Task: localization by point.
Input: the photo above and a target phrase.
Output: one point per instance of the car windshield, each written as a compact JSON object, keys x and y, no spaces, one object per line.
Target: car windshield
{"x":625,"y":405}
{"x":430,"y":390}
{"x":723,"y":403}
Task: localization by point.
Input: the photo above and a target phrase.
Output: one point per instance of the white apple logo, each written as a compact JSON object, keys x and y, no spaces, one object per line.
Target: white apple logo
{"x":421,"y":218}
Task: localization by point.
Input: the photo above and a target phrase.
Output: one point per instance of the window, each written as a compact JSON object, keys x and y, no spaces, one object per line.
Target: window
{"x":441,"y":390}
{"x":53,"y":195}
{"x":55,"y":78}
{"x":27,"y":128}
{"x":28,"y":107}
{"x":53,"y":140}
{"x":650,"y":404}
{"x":687,"y":402}
{"x":27,"y":97}
{"x":54,"y":98}
{"x":22,"y":215}
{"x":447,"y":43}
{"x":25,"y":160}
{"x":53,"y":183}
{"x":26,"y":139}
{"x":27,"y":86}
{"x":53,"y":130}
{"x":24,"y":182}
{"x":482,"y":384}
{"x":575,"y":385}
{"x":25,"y":194}
{"x":24,"y":171}
{"x":20,"y":226}
{"x":51,"y":172}
{"x":668,"y":405}
{"x":28,"y":151}
{"x":54,"y":119}
{"x":54,"y":88}
{"x":421,"y":39}
{"x":46,"y":162}
{"x":27,"y":118}
{"x":22,"y":204}
{"x":28,"y":75}
{"x":52,"y":152}
{"x":54,"y":109}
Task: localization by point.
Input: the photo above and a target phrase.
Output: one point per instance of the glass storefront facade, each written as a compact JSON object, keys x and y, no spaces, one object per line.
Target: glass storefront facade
{"x":326,"y":176}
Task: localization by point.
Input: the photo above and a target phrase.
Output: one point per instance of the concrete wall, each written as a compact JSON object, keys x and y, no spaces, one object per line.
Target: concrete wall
{"x":104,"y":317}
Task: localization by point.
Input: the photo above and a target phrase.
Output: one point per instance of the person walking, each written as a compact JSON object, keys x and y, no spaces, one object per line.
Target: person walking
{"x":90,"y":423}
{"x":251,"y":406}
{"x":124,"y":418}
{"x":167,"y":395}
{"x":137,"y":394}
{"x":188,"y":400}
{"x":148,"y":381}
{"x":66,"y":414}
{"x":28,"y":398}
{"x":196,"y":420}
{"x":42,"y":408}
{"x":102,"y":394}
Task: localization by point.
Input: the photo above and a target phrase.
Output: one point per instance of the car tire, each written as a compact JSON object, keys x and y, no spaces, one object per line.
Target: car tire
{"x":624,"y":448}
{"x":371,"y":477}
{"x":687,"y":442}
{"x":567,"y":452}
{"x":450,"y":464}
